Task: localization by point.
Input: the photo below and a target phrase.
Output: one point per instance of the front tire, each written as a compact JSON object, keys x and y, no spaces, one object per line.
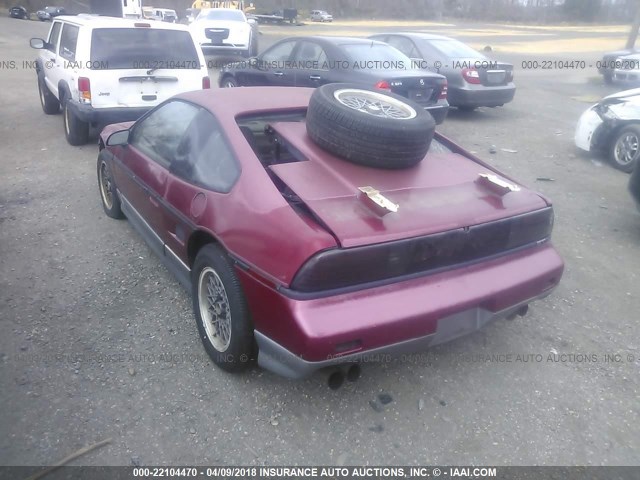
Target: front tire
{"x":221,"y":310}
{"x":76,"y":131}
{"x":108,"y":192}
{"x":625,"y":148}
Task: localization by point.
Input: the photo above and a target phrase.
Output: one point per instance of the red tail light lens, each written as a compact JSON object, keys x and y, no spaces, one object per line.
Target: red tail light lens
{"x":444,"y":91}
{"x":206,"y":83}
{"x":509,"y":75}
{"x":84,"y":88}
{"x":393,"y":261}
{"x":383,"y":85}
{"x":471,"y":75}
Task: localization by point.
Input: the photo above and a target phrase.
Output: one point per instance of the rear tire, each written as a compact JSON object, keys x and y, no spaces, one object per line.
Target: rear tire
{"x":228,"y":82}
{"x":221,"y":310}
{"x":625,"y":148}
{"x":50,"y":104}
{"x":368,"y":126}
{"x":76,"y":131}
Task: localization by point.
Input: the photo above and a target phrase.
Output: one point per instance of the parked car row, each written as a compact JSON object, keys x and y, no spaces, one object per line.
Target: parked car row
{"x":467,"y":79}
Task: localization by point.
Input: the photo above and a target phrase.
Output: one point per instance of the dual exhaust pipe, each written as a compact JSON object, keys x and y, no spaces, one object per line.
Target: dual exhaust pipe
{"x":337,"y":377}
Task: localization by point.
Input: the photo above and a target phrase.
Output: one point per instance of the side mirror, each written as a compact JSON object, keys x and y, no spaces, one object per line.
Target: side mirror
{"x":37,"y":43}
{"x":252,"y":21}
{"x":119,"y":138}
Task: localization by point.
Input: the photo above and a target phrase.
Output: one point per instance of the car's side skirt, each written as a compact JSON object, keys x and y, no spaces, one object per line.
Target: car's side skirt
{"x":173,"y":263}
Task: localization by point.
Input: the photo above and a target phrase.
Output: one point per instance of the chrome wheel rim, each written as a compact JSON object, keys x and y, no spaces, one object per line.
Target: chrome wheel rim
{"x":627,"y":149}
{"x":229,"y":84}
{"x":214,"y":309}
{"x":105,"y":185}
{"x":375,"y":104}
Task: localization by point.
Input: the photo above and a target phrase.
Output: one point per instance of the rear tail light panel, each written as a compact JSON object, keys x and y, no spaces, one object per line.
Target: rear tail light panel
{"x":471,"y":75}
{"x":343,"y":268}
{"x":84,"y":90}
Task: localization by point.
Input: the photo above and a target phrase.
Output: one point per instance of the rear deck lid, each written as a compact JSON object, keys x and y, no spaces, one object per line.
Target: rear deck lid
{"x":142,"y":66}
{"x":441,"y":193}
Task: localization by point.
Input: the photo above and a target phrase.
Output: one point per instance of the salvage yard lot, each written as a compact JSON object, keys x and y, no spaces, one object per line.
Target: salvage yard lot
{"x":99,"y":340}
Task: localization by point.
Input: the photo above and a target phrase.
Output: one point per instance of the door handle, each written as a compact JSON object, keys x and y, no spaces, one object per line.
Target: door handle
{"x":278,"y":74}
{"x":315,"y":77}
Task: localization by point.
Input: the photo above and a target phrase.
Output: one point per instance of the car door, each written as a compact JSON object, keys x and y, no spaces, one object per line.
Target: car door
{"x":142,"y":170}
{"x":49,"y":57}
{"x":274,"y":67}
{"x":66,"y":67}
{"x":312,"y":65}
{"x":202,"y":172}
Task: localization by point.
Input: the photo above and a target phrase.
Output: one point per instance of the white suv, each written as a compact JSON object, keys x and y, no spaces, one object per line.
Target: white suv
{"x":104,"y":70}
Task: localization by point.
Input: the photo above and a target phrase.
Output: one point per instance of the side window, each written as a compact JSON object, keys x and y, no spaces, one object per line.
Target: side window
{"x":54,"y":36}
{"x":68,"y":42}
{"x":279,"y":53}
{"x":312,"y":54}
{"x":405,"y":45}
{"x":159,"y":134}
{"x":204,"y":157}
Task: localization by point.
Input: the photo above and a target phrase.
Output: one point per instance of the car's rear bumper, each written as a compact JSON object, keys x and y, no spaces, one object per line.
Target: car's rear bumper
{"x":213,"y":49}
{"x":106,"y":116}
{"x":438,"y":112}
{"x":305,"y":335}
{"x":481,"y":96}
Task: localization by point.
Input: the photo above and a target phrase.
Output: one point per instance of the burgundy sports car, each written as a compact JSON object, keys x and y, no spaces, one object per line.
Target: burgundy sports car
{"x":325,"y":227}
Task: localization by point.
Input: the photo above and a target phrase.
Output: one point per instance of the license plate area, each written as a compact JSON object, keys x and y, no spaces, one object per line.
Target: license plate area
{"x":422,"y":95}
{"x":496,"y":77}
{"x":217,"y":35}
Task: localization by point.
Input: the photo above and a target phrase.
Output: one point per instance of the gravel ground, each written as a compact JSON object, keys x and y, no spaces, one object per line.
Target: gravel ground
{"x":100,"y":342}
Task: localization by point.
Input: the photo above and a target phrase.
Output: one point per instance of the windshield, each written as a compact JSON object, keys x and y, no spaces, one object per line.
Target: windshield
{"x":451,"y":48}
{"x":135,"y":48}
{"x":376,"y":56}
{"x":227,"y":15}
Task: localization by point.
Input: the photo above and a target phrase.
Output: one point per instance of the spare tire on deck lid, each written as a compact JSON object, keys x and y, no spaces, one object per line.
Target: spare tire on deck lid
{"x":369,"y":127}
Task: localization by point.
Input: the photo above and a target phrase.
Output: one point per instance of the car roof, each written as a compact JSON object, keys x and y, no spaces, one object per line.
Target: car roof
{"x":206,"y":10}
{"x":338,"y":40}
{"x":420,"y":35}
{"x":99,"y":21}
